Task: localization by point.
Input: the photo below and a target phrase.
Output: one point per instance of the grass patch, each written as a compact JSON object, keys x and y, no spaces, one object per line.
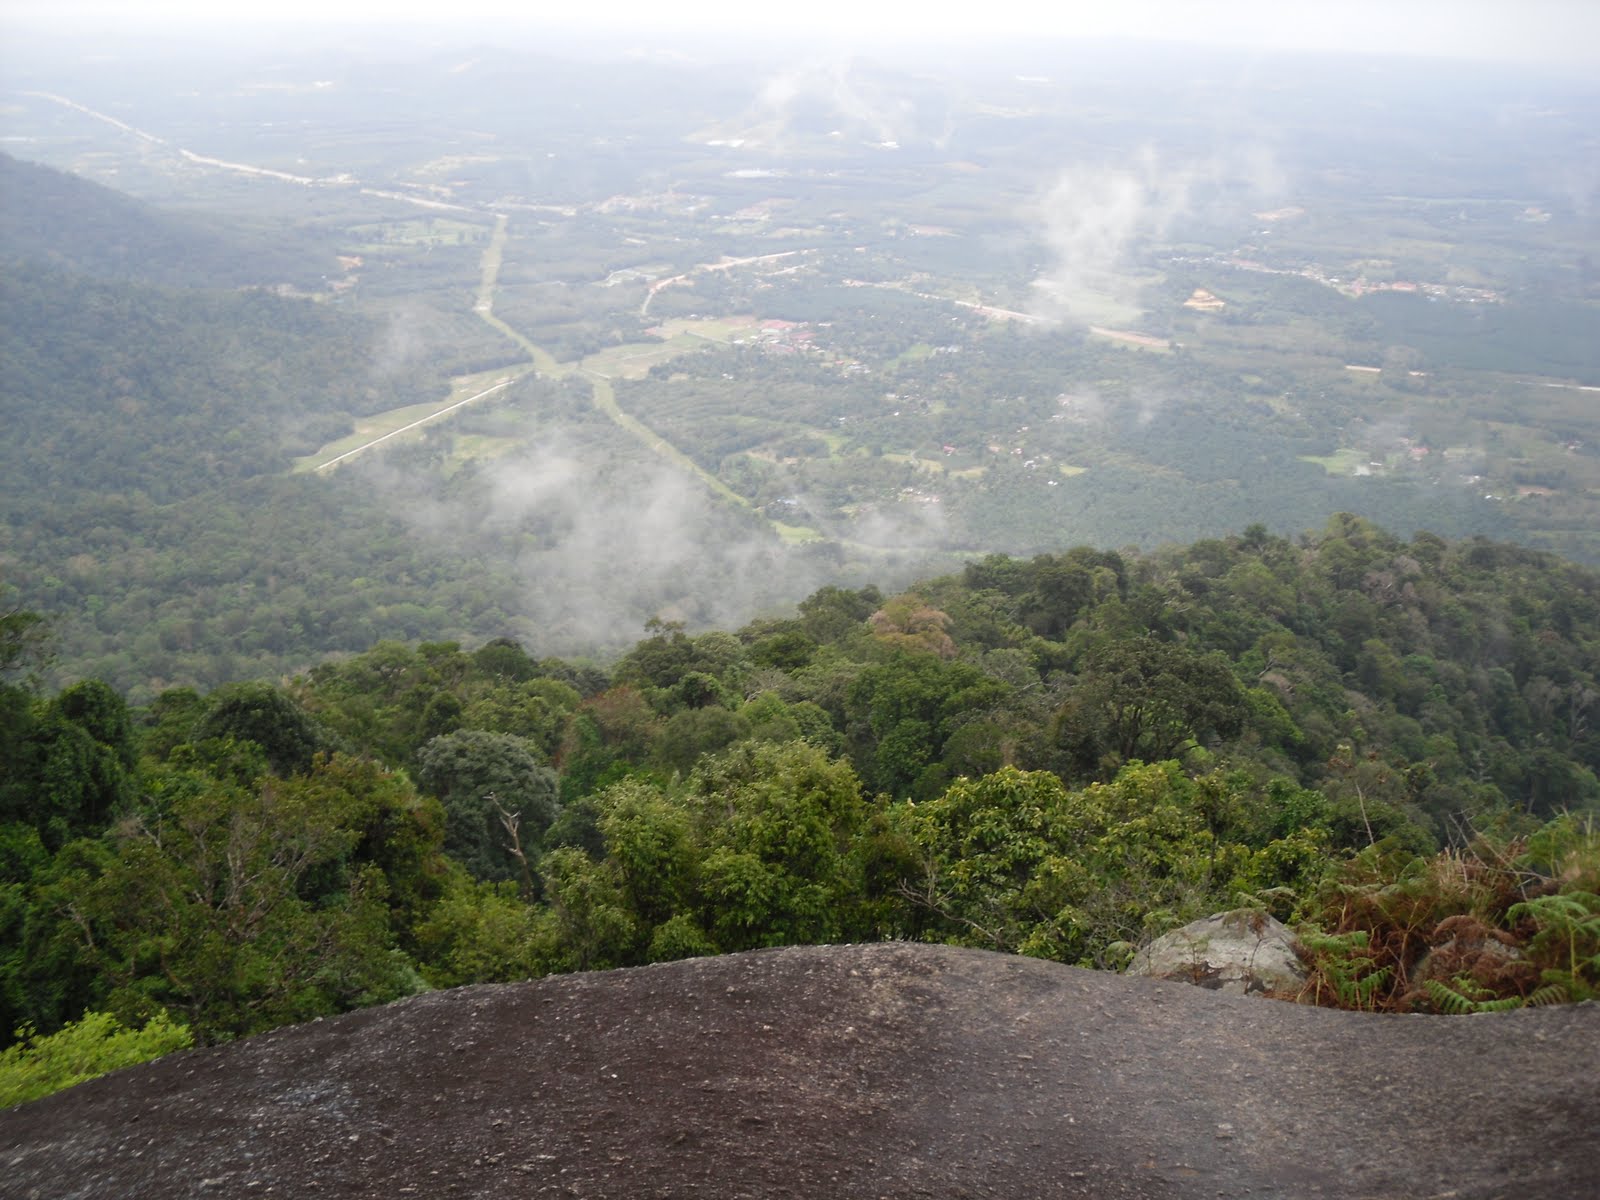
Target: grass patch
{"x":715,"y":329}
{"x":1094,"y":307}
{"x":605,"y":400}
{"x":911,"y":354}
{"x":635,"y":361}
{"x":796,"y":535}
{"x":1133,"y":340}
{"x":1340,"y":462}
{"x":915,"y":460}
{"x":836,"y":441}
{"x":469,"y":446}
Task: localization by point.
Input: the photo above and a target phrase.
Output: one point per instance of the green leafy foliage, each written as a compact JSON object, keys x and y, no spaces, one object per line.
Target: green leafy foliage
{"x":118,"y":388}
{"x":69,"y":763}
{"x":1015,"y":861}
{"x":498,"y":798}
{"x":478,"y":932}
{"x":1345,"y":971}
{"x":1498,"y":924}
{"x":64,"y":220}
{"x":1568,"y":936}
{"x":966,"y":762}
{"x":1448,"y":999}
{"x":260,"y":713}
{"x":1143,"y":698}
{"x":244,"y":908}
{"x":94,"y":1045}
{"x":24,"y":636}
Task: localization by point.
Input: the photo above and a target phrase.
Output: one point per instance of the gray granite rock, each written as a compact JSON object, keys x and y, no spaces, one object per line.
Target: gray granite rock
{"x":1243,"y":951}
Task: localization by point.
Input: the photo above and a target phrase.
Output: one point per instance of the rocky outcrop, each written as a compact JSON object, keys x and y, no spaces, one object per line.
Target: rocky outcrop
{"x":1243,"y":951}
{"x":836,"y":1073}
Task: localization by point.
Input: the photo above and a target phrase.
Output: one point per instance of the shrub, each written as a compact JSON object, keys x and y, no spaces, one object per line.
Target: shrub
{"x":40,"y":1064}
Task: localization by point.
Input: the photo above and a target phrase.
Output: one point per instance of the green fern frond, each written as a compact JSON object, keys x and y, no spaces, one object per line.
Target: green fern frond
{"x":1447,"y":1000}
{"x":1550,"y":993}
{"x":1456,"y":1003}
{"x":1579,"y":911}
{"x":1500,"y":1004}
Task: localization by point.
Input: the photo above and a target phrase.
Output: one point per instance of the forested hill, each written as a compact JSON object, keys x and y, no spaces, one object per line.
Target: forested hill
{"x":127,"y":390}
{"x":61,"y":220}
{"x":1391,"y":744}
{"x":153,"y":406}
{"x":1441,"y":683}
{"x":140,"y":368}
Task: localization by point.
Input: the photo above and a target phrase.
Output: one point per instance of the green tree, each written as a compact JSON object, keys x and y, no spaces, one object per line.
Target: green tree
{"x":1140,"y":698}
{"x":587,"y":924}
{"x":170,"y":721}
{"x":689,"y":735}
{"x":24,"y":644}
{"x":832,"y":614}
{"x":1014,"y":861}
{"x":537,"y":709}
{"x":650,"y":841}
{"x":779,"y":827}
{"x":485,"y":781}
{"x":905,"y":708}
{"x":73,"y":768}
{"x":478,"y":932}
{"x":239,"y":909}
{"x":260,"y":713}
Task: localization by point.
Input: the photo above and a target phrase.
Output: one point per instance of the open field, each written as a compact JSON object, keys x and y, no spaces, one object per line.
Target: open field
{"x":796,"y":535}
{"x":716,"y":329}
{"x":383,"y":427}
{"x":636,"y":361}
{"x":1340,"y":462}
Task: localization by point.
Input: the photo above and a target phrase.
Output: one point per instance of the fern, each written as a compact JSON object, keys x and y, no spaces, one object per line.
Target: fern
{"x":1550,"y":993}
{"x":1361,"y":993}
{"x":1344,"y":964}
{"x":1457,"y":1003}
{"x":1569,"y":931}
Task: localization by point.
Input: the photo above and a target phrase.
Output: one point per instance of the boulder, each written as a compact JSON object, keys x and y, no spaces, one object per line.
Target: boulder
{"x":1243,"y":951}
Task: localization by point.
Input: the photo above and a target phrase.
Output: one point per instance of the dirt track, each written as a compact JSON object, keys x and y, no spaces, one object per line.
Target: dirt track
{"x":894,"y":1070}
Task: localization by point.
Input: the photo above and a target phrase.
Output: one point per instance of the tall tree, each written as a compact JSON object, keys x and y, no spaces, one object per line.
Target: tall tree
{"x":484,"y":780}
{"x":1147,"y":699}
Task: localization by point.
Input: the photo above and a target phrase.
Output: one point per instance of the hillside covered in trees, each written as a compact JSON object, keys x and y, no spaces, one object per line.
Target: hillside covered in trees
{"x":1389,"y":743}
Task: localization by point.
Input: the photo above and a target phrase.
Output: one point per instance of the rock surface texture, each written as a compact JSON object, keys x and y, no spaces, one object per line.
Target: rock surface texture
{"x":1242,"y":952}
{"x":853,"y":1071}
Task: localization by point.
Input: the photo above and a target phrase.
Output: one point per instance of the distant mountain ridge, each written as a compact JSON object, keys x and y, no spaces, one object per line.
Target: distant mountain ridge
{"x":60,"y":220}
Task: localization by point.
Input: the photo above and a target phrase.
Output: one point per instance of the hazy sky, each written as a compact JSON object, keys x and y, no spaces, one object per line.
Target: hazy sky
{"x":1528,"y":30}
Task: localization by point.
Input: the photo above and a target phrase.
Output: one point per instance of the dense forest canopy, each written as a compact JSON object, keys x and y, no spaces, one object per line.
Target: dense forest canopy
{"x":1383,"y":741}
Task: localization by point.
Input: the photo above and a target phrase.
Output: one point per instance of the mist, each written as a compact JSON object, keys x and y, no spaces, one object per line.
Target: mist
{"x":601,"y":539}
{"x":1096,"y":218}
